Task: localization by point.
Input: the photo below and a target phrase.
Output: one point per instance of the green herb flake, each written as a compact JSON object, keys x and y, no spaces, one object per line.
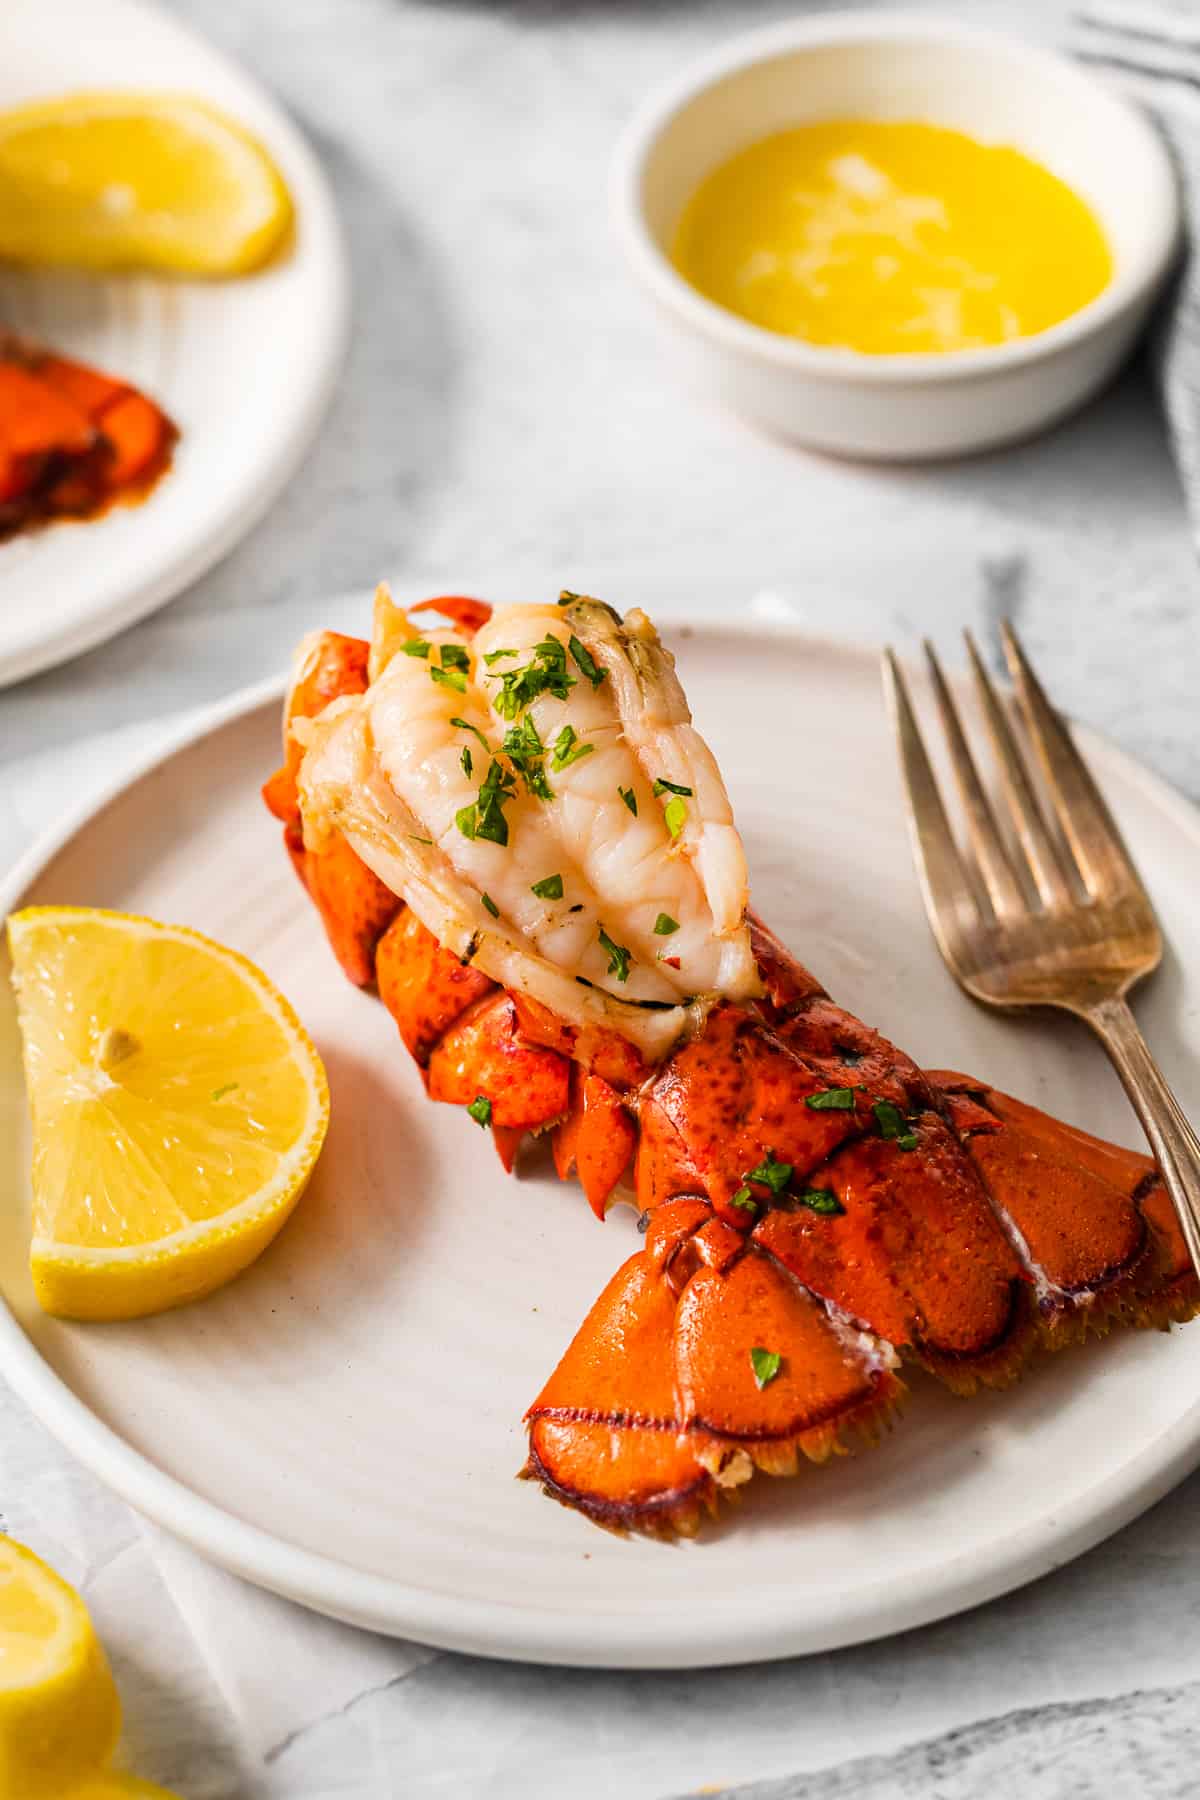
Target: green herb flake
{"x":450,"y":678}
{"x":417,"y":647}
{"x":745,"y":1199}
{"x":618,"y":956}
{"x":495,"y":791}
{"x":630,"y":799}
{"x":489,"y":905}
{"x":821,"y":1200}
{"x":893,"y":1125}
{"x":526,"y":752}
{"x":466,"y":725}
{"x":586,"y":663}
{"x":675,"y":814}
{"x":566,"y":750}
{"x":831,"y":1100}
{"x":662,"y":786}
{"x":480,"y":1110}
{"x":467,"y":820}
{"x":546,"y":674}
{"x":414,"y":839}
{"x":567,"y":598}
{"x":772,"y":1174}
{"x":496,"y":655}
{"x":220,"y":1093}
{"x":665,"y":925}
{"x":549,"y":889}
{"x":766,"y":1364}
{"x":455,"y":657}
{"x":468,"y":766}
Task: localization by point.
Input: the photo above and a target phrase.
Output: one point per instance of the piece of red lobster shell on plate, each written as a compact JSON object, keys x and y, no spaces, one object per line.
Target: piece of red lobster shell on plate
{"x":73,"y":441}
{"x":512,"y":827}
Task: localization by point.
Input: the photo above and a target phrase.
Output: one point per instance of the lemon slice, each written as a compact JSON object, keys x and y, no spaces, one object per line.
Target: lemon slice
{"x":178,"y":1107}
{"x":59,"y":1713}
{"x":127,"y":180}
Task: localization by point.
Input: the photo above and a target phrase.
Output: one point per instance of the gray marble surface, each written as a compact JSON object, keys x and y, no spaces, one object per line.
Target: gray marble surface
{"x":503,"y":428}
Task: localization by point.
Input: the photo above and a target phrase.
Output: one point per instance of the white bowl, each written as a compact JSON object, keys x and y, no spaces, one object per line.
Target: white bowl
{"x":903,"y":66}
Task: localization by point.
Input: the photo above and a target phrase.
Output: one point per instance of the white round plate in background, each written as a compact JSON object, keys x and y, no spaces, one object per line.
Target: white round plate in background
{"x":343,"y":1423}
{"x":246,"y":368}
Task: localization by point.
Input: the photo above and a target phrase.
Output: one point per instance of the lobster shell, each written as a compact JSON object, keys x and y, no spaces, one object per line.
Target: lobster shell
{"x":926,"y":1218}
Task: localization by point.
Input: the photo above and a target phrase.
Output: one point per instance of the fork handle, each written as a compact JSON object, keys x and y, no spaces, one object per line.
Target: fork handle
{"x":1175,"y":1145}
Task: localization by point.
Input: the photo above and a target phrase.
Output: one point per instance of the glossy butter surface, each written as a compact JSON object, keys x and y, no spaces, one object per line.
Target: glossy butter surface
{"x":888,"y":237}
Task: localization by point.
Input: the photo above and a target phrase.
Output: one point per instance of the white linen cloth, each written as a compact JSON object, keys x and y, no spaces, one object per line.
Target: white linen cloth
{"x":1152,"y":48}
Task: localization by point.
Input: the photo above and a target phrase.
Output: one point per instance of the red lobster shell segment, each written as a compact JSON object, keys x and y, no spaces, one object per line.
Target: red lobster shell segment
{"x":816,"y":1209}
{"x":72,"y":440}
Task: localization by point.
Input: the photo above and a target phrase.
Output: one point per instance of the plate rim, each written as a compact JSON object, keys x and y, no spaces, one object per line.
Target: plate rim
{"x":515,"y":1630}
{"x":194,"y":554}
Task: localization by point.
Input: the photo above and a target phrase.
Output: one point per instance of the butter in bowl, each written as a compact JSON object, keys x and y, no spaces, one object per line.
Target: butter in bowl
{"x":895,"y":237}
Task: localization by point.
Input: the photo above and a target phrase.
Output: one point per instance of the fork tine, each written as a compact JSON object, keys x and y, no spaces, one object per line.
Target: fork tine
{"x":950,"y":902}
{"x":1095,"y":842}
{"x":1041,"y":856}
{"x":1003,"y":888}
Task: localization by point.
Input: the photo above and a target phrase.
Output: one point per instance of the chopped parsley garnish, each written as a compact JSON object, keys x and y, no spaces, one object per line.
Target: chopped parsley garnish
{"x":455,"y":657}
{"x":220,"y":1093}
{"x":675,"y":813}
{"x":821,"y":1200}
{"x":417,"y":647}
{"x":549,"y":889}
{"x":662,"y":786}
{"x":766,"y":1364}
{"x":585,"y":662}
{"x":480,"y":1110}
{"x":414,"y":839}
{"x":546,"y":674}
{"x":495,"y":656}
{"x":831,"y":1100}
{"x":466,"y":725}
{"x":468,"y":767}
{"x":772,"y":1174}
{"x":893,"y":1125}
{"x":527,"y":753}
{"x":484,"y":818}
{"x":450,"y":678}
{"x":630,"y":799}
{"x":566,"y":597}
{"x":566,"y":750}
{"x":618,"y":956}
{"x":490,"y":905}
{"x":665,"y":925}
{"x":745,"y":1199}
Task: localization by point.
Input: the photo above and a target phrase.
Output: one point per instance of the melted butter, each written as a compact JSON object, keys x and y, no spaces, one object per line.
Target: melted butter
{"x":887,"y":237}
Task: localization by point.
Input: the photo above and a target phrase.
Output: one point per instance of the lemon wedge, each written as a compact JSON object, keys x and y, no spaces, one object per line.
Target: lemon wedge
{"x":60,"y":1717}
{"x":59,"y":1713}
{"x":126,"y":180}
{"x":178,"y":1108}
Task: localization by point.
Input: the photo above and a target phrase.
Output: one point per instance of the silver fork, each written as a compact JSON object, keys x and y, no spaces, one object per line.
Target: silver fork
{"x":1056,"y":915}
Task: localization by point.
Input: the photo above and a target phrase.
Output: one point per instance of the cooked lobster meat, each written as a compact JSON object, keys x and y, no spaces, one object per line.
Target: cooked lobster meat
{"x":512,"y":829}
{"x":72,"y":440}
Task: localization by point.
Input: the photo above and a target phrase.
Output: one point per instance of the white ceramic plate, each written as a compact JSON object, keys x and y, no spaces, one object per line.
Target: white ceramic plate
{"x":343,"y":1423}
{"x":246,"y":368}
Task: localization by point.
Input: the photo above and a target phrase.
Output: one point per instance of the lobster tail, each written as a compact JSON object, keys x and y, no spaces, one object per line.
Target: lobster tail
{"x":817,"y":1211}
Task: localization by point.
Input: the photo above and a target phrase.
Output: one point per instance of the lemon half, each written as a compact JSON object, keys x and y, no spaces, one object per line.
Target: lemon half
{"x":129,"y":180}
{"x":178,"y":1108}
